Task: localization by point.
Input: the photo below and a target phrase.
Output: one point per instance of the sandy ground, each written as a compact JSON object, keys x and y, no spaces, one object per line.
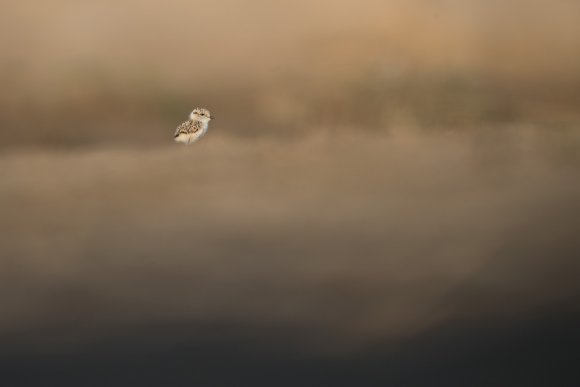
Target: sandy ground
{"x":330,"y":243}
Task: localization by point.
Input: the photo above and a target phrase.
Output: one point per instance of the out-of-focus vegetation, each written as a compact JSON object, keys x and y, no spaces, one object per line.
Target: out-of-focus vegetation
{"x":98,"y":74}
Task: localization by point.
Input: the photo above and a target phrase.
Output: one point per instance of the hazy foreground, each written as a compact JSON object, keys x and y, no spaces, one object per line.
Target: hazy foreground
{"x":332,"y":241}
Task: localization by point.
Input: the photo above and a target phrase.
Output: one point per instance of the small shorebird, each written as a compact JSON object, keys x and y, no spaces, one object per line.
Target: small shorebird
{"x":192,"y":129}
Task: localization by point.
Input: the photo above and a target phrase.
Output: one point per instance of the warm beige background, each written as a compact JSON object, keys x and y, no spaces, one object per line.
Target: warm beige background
{"x":377,"y":169}
{"x":126,"y":72}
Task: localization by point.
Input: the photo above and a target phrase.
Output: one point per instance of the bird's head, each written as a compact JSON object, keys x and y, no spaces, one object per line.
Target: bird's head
{"x":200,"y":114}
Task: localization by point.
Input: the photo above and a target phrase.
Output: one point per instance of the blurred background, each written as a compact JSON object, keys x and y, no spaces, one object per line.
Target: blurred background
{"x":388,"y":195}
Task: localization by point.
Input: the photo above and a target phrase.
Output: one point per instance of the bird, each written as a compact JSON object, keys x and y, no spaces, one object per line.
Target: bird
{"x":193,"y":129}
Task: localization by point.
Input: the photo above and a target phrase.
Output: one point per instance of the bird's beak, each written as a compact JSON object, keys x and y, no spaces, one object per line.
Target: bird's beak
{"x":211,"y":117}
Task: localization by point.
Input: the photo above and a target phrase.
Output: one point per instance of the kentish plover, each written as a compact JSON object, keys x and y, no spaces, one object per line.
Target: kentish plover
{"x":192,"y":129}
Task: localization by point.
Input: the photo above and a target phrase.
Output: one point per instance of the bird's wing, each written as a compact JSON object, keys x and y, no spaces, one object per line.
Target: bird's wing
{"x":183,"y":128}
